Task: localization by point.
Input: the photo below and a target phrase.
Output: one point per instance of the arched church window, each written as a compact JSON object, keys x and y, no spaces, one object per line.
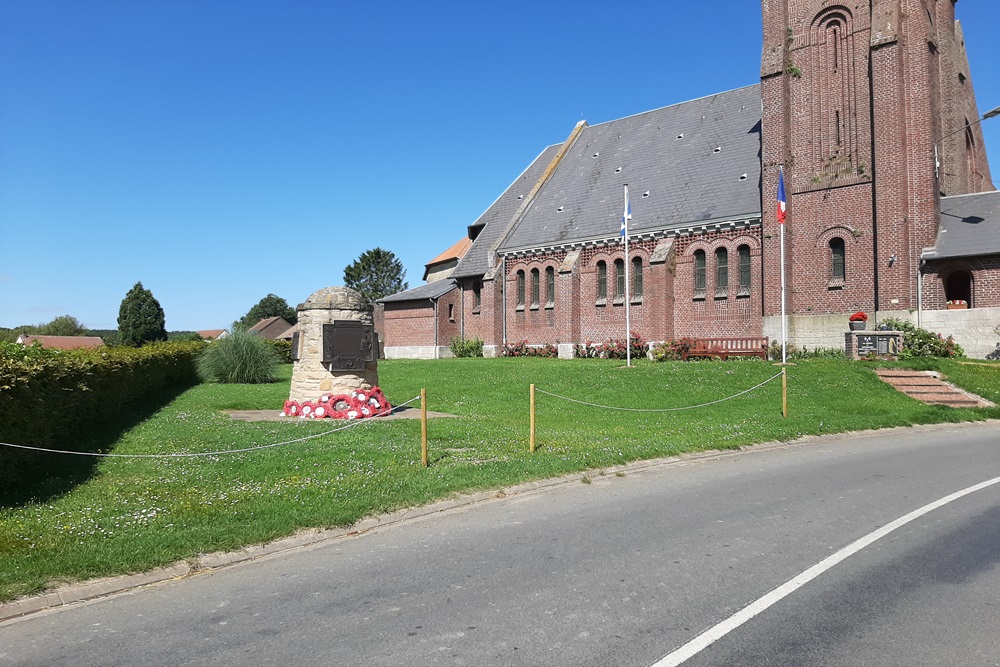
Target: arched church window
{"x":699,"y":274}
{"x":602,"y":282}
{"x":838,"y":262}
{"x":619,"y":280}
{"x":744,"y":253}
{"x":637,"y":277}
{"x":520,"y":290}
{"x":721,"y":272}
{"x":535,"y":288}
{"x":550,"y":287}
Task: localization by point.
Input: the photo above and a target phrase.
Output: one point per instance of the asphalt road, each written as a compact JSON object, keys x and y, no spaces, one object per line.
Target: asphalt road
{"x":620,"y":571}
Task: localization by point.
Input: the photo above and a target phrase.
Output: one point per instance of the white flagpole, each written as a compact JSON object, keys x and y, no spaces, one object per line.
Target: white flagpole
{"x":784,"y":320}
{"x":628,"y":321}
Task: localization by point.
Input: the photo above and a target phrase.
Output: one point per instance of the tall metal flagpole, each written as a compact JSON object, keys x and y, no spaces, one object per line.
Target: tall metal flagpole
{"x":781,"y":220}
{"x":626,"y":216}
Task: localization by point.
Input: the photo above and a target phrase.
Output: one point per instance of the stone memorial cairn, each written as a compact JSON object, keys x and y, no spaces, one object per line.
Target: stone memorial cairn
{"x":335,"y":359}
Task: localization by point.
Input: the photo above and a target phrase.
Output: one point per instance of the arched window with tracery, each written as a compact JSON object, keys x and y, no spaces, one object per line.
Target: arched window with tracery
{"x":700,"y":282}
{"x":602,"y":282}
{"x":838,"y":262}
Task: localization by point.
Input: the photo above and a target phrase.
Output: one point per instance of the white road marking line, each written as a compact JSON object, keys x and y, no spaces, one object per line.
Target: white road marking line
{"x":718,"y":631}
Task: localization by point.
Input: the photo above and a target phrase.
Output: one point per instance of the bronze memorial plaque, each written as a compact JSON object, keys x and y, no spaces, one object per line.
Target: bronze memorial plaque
{"x":348,"y":344}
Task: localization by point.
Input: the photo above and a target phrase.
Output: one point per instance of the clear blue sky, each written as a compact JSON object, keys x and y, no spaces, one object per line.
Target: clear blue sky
{"x":219,"y":151}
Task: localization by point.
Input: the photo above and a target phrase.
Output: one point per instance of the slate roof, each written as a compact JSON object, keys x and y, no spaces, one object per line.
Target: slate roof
{"x":476,"y":261}
{"x":970,"y":225}
{"x":433,"y":290}
{"x":699,"y":161}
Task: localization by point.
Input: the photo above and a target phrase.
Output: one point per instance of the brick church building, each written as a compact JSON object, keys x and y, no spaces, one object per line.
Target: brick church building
{"x":868,"y":109}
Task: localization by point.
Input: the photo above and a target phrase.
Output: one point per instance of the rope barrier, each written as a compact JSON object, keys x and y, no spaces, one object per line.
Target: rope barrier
{"x":688,"y":407}
{"x":351,"y":424}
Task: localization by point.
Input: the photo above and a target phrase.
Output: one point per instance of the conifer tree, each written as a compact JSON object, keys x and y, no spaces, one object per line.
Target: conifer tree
{"x":140,"y":318}
{"x":375,"y":274}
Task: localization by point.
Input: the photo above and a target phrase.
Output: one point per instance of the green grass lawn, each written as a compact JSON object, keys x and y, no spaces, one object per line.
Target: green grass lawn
{"x":134,"y":514}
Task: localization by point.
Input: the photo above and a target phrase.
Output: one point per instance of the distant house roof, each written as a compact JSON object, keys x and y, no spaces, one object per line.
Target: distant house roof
{"x":212,"y":334}
{"x":970,"y":226}
{"x":271,"y":327}
{"x":430,"y":291}
{"x":452,"y":254}
{"x":62,"y":342}
{"x":287,"y":334}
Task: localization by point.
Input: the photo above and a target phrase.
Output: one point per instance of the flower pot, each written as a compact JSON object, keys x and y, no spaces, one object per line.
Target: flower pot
{"x":957,"y":306}
{"x":858,"y":326}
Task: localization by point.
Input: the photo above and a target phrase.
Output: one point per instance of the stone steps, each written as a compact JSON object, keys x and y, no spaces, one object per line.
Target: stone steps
{"x":928,"y":387}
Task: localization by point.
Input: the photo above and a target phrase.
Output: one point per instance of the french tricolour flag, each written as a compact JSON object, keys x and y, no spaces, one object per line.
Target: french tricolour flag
{"x":781,"y":197}
{"x":627,"y":215}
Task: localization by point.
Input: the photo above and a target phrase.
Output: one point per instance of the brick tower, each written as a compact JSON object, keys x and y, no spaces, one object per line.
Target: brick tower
{"x":857,"y":99}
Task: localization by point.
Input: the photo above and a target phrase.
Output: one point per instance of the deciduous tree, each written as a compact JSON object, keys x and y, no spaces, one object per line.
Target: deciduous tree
{"x":269,"y":306}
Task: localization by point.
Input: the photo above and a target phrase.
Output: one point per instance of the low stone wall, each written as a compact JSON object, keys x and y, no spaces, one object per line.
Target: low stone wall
{"x":974,"y":328}
{"x":418,"y":352}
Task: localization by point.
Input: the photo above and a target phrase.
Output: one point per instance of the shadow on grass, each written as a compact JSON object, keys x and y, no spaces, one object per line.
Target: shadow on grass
{"x":38,"y":477}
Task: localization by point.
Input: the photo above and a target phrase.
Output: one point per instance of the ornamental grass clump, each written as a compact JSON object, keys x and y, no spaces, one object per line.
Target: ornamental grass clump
{"x":241,"y":358}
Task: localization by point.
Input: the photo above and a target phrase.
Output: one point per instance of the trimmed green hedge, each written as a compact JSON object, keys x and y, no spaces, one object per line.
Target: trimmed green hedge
{"x":54,"y":398}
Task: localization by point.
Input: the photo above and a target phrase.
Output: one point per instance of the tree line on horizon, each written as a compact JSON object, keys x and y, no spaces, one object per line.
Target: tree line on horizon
{"x":375,"y":274}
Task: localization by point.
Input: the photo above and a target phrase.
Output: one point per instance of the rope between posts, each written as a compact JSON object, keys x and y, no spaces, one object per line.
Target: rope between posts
{"x":351,"y":424}
{"x":687,"y":407}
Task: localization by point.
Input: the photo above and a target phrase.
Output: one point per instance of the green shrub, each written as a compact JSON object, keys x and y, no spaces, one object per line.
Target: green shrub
{"x":243,"y":357}
{"x":56,"y":398}
{"x":523,"y":349}
{"x":614,"y":348}
{"x":918,"y":342}
{"x":470,"y":347}
{"x":672,"y":350}
{"x":283,"y":348}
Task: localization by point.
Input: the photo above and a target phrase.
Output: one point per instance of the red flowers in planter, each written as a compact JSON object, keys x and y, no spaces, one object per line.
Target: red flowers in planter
{"x":859,"y":316}
{"x":359,"y":404}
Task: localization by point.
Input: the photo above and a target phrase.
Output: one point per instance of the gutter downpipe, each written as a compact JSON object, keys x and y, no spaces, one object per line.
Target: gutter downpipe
{"x":436,"y":325}
{"x":503,"y":297}
{"x":920,"y":288}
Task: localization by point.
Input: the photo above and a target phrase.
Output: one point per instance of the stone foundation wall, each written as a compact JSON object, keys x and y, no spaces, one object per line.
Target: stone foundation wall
{"x":974,"y":329}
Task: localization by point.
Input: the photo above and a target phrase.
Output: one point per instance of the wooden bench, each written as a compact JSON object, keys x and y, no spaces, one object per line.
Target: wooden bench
{"x":723,"y":348}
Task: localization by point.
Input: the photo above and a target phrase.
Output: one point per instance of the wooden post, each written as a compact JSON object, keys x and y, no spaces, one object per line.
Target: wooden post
{"x":423,"y":427}
{"x":784,"y":392}
{"x":531,"y":420}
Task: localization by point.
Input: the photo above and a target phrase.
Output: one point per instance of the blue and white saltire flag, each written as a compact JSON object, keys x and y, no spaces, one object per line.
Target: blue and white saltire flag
{"x":627,"y":215}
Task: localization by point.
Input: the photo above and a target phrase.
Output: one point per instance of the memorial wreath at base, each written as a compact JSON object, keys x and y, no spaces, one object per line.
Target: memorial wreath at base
{"x":359,"y":404}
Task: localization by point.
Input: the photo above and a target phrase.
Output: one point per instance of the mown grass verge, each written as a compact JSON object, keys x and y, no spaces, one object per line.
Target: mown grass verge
{"x":135,"y":514}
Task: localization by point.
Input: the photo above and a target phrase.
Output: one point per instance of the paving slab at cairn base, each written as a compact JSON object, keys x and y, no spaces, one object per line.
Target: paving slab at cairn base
{"x":927,"y":386}
{"x":275,"y":415}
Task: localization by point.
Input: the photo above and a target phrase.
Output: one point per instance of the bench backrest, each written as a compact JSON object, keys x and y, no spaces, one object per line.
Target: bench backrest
{"x":730,"y":344}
